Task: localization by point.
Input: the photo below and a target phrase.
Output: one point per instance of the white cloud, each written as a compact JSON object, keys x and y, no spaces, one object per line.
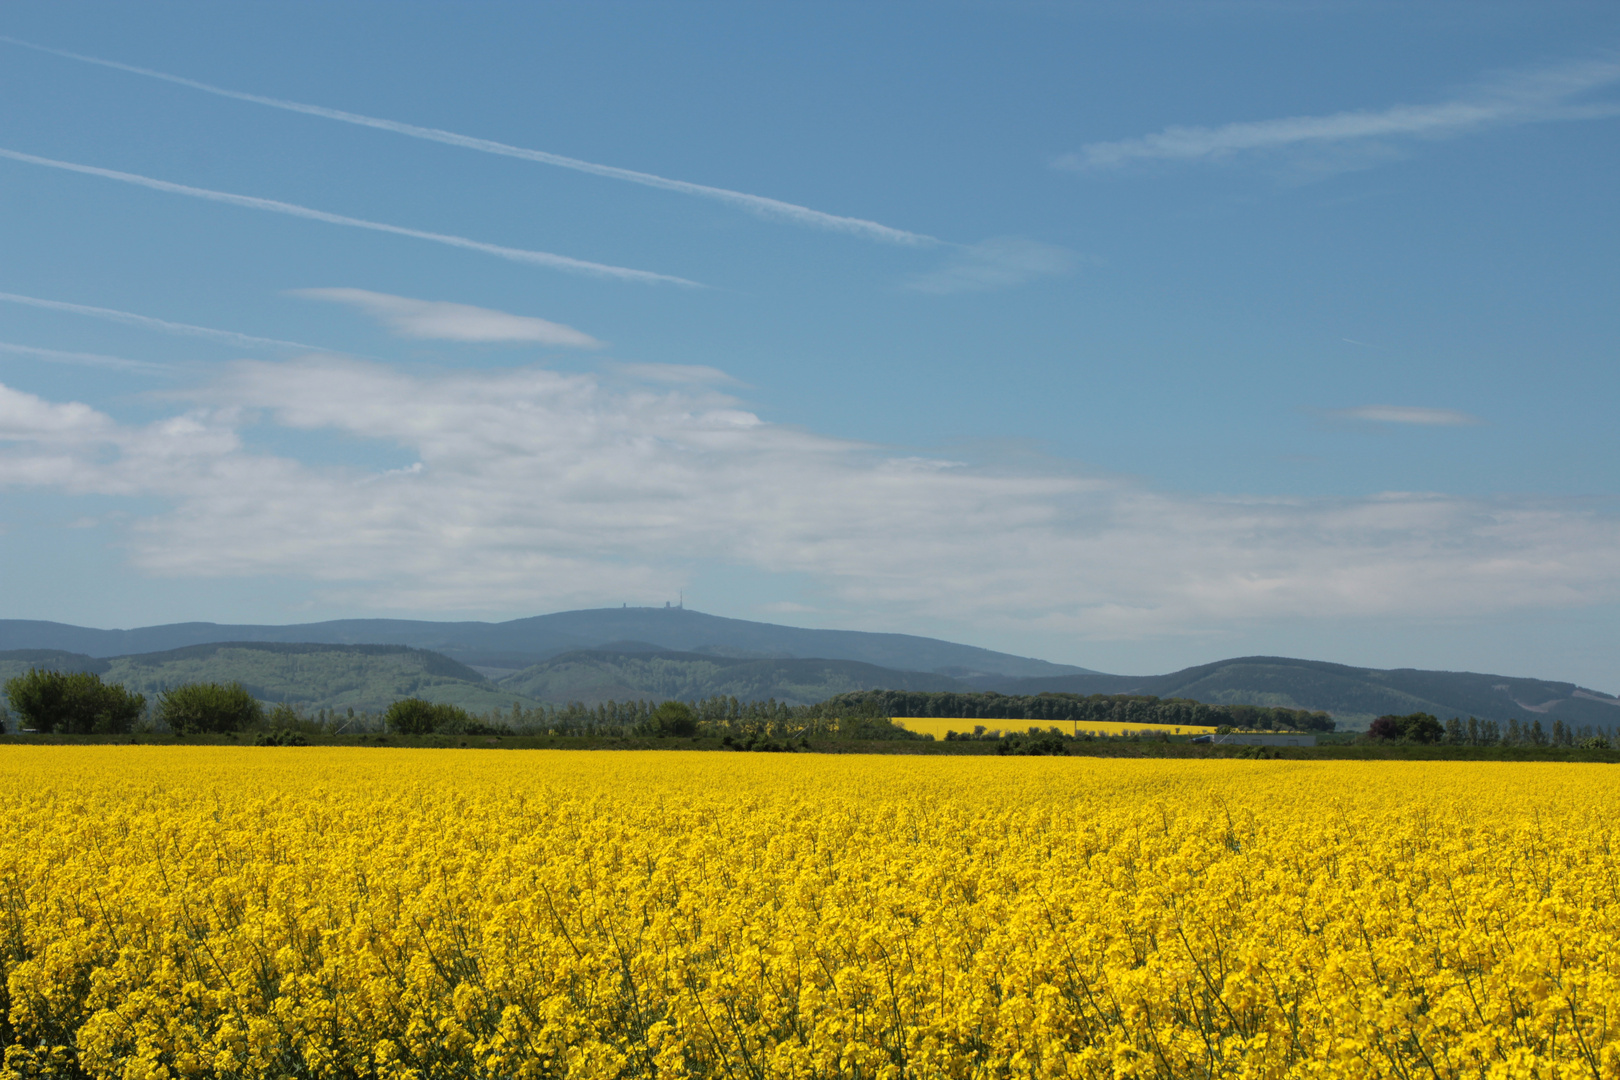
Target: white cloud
{"x":443,"y":321}
{"x":756,"y":204}
{"x":1526,"y":97}
{"x":534,"y":489}
{"x":26,"y":417}
{"x":565,"y":263}
{"x":1407,"y":414}
{"x":1001,"y":262}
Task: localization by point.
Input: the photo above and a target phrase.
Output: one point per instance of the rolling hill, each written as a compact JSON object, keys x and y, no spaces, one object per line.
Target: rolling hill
{"x":514,"y":645}
{"x":731,"y":657}
{"x":595,"y":675}
{"x":1353,"y":695}
{"x":370,"y":677}
{"x":362,"y":677}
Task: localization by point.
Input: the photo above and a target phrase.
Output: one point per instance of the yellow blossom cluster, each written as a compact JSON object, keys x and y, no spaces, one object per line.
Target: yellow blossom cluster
{"x":188,"y":912}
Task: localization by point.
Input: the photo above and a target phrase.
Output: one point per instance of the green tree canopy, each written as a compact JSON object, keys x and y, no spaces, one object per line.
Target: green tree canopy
{"x":72,"y":703}
{"x":1414,"y":727}
{"x":673,"y":718}
{"x":209,"y":708}
{"x":413,"y":716}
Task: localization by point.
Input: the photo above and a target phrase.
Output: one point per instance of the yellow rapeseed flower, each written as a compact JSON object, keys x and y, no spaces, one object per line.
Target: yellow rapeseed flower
{"x":177,"y":913}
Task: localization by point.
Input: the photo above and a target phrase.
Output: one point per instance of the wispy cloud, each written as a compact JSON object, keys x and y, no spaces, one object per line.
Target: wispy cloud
{"x":147,"y":322}
{"x":537,"y":258}
{"x":676,"y":374}
{"x":1534,"y":96}
{"x":534,"y":489}
{"x":1002,"y":262}
{"x":117,"y":363}
{"x":1407,"y":414}
{"x":443,"y":321}
{"x":757,"y":204}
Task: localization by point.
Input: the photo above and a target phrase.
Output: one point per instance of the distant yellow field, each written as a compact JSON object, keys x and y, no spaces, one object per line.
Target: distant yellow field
{"x":938,"y":726}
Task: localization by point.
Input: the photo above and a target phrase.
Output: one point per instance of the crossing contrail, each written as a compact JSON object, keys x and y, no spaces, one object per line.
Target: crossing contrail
{"x":758,"y":204}
{"x":537,"y":258}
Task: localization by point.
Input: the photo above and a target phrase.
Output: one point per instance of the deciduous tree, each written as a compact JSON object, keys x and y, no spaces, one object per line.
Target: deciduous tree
{"x":73,"y":703}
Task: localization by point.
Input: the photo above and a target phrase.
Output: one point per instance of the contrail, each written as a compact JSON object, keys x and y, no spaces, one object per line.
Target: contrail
{"x":759,"y":204}
{"x":88,"y":359}
{"x":129,"y":318}
{"x":538,"y":258}
{"x":1530,"y":96}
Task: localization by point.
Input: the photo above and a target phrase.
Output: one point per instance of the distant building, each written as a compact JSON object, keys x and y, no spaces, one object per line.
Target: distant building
{"x":1250,"y":739}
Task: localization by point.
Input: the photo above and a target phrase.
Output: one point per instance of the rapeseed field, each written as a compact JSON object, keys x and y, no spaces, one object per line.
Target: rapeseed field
{"x":485,"y":913}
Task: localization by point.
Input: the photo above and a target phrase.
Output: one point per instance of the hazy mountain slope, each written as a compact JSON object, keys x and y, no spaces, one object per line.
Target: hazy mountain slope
{"x":525,"y":641}
{"x":1353,"y":695}
{"x":1356,"y":694}
{"x":17,"y":661}
{"x":688,"y":631}
{"x":25,"y":634}
{"x":366,"y":677}
{"x":733,"y":657}
{"x":598,"y":675}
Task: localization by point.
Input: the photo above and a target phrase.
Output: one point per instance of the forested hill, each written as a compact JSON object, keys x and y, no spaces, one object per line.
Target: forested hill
{"x":371,"y":675}
{"x":522,"y":642}
{"x":627,"y":674}
{"x":362,"y":677}
{"x":1353,"y":695}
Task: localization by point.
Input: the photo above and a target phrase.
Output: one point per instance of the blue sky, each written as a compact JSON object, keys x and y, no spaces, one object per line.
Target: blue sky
{"x":1127,"y":335}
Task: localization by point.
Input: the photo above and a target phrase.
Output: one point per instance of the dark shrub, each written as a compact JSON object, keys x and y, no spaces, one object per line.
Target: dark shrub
{"x":879,"y":727}
{"x":1385,"y":727}
{"x":209,"y":709}
{"x":673,"y":719}
{"x":1318,"y":721}
{"x":1035,"y":744}
{"x":761,"y":744}
{"x":1421,"y":727}
{"x":72,"y":703}
{"x":413,"y":716}
{"x":1414,"y":727}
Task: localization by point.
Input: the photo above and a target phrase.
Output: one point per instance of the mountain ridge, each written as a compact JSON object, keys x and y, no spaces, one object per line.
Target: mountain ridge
{"x":520,"y":642}
{"x":1359,"y":693}
{"x":746,"y":660}
{"x":315,"y":675}
{"x":595,"y":675}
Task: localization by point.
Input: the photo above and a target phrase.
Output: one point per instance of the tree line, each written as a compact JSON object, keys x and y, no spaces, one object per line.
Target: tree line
{"x":79,"y":703}
{"x":1142,"y":709}
{"x":1424,"y":727}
